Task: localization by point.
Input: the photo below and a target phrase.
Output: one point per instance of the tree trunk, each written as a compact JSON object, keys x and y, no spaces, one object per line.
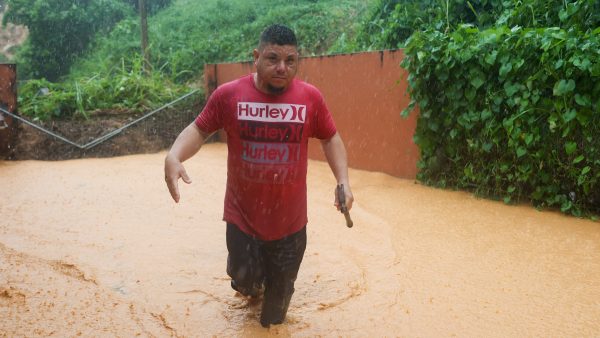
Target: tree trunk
{"x":144,"y":24}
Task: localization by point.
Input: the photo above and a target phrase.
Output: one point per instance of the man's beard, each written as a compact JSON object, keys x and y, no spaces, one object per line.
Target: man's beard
{"x":275,"y":90}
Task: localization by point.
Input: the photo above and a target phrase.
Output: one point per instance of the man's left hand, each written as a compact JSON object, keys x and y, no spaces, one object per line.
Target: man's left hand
{"x":348,"y":195}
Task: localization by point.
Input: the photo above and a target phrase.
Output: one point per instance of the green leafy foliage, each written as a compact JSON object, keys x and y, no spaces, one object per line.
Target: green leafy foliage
{"x":59,"y":31}
{"x":391,"y":22}
{"x":511,"y":113}
{"x":152,"y":6}
{"x":121,"y":88}
{"x":183,"y":37}
{"x":581,"y":15}
{"x":190,"y":33}
{"x":507,"y":91}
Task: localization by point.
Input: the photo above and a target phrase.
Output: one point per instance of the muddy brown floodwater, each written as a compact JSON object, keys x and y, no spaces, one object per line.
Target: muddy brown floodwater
{"x":96,"y":247}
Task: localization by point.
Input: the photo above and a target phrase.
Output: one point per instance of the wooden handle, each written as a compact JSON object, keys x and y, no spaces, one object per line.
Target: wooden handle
{"x":349,"y":222}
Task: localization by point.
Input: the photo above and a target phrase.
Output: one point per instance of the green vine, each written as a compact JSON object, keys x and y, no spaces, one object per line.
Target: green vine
{"x":512,"y":114}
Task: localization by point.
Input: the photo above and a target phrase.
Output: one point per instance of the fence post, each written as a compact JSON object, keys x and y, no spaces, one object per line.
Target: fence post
{"x":8,"y":101}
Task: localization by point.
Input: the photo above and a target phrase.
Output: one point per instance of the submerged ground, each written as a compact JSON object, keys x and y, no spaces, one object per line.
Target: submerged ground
{"x":96,"y":247}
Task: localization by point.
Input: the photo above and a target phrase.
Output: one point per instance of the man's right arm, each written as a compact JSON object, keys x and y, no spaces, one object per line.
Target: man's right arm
{"x":185,"y":146}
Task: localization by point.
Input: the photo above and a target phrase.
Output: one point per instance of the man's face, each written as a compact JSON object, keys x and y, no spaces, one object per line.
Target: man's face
{"x":276,"y":67}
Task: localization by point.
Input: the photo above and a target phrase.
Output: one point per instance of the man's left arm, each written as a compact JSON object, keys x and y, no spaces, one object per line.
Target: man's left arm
{"x":335,"y":152}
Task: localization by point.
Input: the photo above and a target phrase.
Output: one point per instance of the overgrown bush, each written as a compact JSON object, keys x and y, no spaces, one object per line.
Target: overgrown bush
{"x":59,"y":31}
{"x":507,"y":92}
{"x":120,"y":88}
{"x":510,"y":113}
{"x":391,"y":22}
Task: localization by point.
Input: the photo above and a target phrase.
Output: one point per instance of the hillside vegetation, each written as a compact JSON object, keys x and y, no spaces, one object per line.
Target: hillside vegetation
{"x":191,"y":33}
{"x":105,"y":71}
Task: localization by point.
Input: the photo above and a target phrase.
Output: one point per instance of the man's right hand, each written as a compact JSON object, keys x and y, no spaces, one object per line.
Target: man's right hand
{"x":185,"y":146}
{"x":173,"y":171}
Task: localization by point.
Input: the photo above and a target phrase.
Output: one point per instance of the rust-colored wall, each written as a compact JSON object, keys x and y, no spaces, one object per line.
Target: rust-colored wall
{"x":8,"y":101}
{"x":366,"y":93}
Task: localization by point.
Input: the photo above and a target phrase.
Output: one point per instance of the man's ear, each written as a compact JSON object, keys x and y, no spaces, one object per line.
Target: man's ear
{"x":256,"y":54}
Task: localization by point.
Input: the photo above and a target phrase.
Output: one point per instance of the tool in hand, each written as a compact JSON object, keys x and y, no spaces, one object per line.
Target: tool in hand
{"x":341,"y":195}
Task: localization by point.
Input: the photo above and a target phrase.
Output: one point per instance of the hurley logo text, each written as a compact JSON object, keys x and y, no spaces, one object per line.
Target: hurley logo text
{"x":271,"y":112}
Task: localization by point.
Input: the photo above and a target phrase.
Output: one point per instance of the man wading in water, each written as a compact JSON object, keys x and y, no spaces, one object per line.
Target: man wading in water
{"x":268,"y":117}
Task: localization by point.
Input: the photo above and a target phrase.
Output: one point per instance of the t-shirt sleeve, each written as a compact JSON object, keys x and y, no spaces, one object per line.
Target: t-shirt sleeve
{"x":211,"y":117}
{"x":324,"y":128}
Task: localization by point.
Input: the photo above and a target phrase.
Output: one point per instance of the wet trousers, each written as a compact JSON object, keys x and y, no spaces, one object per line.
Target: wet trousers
{"x":253,"y":263}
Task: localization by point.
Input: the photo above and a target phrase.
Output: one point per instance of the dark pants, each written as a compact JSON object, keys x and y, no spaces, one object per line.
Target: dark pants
{"x":252,"y":262}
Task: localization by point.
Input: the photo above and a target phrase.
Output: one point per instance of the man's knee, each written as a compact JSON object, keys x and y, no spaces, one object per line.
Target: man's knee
{"x":247,"y":279}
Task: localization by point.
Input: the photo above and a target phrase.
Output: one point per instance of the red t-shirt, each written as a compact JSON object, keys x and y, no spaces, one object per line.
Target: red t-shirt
{"x":267,"y":140}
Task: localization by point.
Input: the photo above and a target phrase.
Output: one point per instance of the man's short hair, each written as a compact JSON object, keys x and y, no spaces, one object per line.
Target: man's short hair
{"x":277,"y":35}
